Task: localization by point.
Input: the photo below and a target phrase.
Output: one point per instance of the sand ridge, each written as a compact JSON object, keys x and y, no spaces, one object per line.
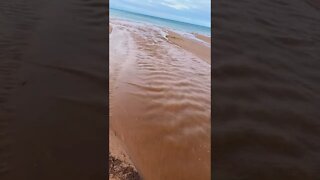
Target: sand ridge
{"x":191,"y":45}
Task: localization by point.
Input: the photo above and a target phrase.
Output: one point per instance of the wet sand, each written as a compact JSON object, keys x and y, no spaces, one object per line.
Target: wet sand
{"x":120,"y":165}
{"x":203,"y":37}
{"x":159,"y":103}
{"x":193,"y":46}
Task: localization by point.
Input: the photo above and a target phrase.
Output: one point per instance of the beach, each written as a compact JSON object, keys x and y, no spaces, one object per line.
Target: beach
{"x":159,"y":92}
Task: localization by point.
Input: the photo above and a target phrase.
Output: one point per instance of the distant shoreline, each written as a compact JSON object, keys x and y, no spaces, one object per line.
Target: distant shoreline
{"x":159,"y":18}
{"x":201,"y":36}
{"x":208,"y":34}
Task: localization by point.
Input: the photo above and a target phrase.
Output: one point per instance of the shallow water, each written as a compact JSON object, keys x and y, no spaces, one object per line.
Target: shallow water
{"x":53,"y":62}
{"x":266,"y":122}
{"x":159,"y":103}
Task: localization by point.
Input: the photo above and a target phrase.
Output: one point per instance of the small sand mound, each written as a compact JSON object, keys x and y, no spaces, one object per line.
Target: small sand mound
{"x":121,"y":170}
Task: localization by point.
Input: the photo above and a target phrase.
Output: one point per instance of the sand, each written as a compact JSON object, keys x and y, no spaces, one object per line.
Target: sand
{"x":193,"y":46}
{"x":159,"y":103}
{"x":203,"y":37}
{"x":120,"y":165}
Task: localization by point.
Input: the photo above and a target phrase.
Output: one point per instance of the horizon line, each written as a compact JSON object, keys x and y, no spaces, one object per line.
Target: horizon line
{"x":160,"y":17}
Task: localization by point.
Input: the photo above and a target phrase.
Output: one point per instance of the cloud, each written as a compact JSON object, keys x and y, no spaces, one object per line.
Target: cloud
{"x":190,"y":11}
{"x":177,"y":4}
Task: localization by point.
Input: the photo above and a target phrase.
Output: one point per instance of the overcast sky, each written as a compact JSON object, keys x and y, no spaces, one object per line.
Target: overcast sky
{"x":190,"y":11}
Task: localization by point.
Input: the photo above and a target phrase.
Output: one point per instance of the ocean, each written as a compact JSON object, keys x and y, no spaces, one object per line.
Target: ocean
{"x":175,"y":25}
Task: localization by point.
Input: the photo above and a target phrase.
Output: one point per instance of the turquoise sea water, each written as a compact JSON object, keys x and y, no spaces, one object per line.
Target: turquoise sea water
{"x":176,"y":25}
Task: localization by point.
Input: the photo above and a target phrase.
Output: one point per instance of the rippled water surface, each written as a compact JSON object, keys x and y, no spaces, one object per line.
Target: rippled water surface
{"x":266,"y":60}
{"x":159,"y":103}
{"x":53,"y":63}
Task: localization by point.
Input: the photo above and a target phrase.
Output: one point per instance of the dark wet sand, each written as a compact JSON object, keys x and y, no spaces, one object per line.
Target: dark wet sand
{"x":53,"y":59}
{"x":266,"y":122}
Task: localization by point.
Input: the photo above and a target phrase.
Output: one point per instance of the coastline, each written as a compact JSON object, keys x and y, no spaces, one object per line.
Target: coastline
{"x":203,"y":37}
{"x":195,"y":35}
{"x":191,"y":45}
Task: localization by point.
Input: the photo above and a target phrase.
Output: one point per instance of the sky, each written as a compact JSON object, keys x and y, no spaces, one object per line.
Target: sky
{"x":189,"y":11}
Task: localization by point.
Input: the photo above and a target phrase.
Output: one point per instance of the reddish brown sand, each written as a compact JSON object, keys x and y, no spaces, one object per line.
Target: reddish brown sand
{"x":120,"y":165}
{"x":204,"y":38}
{"x":192,"y":46}
{"x":159,"y":103}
